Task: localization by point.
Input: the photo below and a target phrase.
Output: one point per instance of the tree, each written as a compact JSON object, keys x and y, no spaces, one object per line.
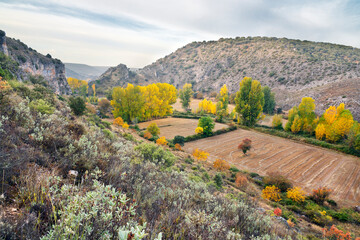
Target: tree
{"x":179,"y":139}
{"x":321,"y":194}
{"x":118,"y":121}
{"x":200,"y":155}
{"x":302,"y":118}
{"x":153,"y":129}
{"x":245,"y":145}
{"x":269,"y":100}
{"x":223,"y":99}
{"x":104,"y":106}
{"x":271,"y":193}
{"x":185,"y":95}
{"x":296,"y":194}
{"x":77,"y":105}
{"x":206,"y":106}
{"x":249,"y":101}
{"x":207,"y":123}
{"x":277,"y":122}
{"x":128,"y":102}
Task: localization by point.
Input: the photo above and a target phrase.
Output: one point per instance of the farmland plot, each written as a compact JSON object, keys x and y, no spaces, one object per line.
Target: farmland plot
{"x":170,"y":127}
{"x":306,"y":166}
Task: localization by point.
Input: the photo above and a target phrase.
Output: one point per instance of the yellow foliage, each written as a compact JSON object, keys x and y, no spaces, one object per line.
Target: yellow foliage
{"x":118,"y":121}
{"x":277,"y":121}
{"x":297,"y":124}
{"x":290,"y":223}
{"x":207,"y":106}
{"x":320,"y":131}
{"x":125,"y":126}
{"x":271,"y":193}
{"x":296,"y":194}
{"x":221,"y":165}
{"x":330,"y":115}
{"x":200,"y":155}
{"x":161,"y":141}
{"x":4,"y":85}
{"x":199,"y":130}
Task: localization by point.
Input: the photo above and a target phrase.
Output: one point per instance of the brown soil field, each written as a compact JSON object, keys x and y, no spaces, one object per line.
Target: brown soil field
{"x":306,"y":166}
{"x":170,"y":127}
{"x":194,"y":104}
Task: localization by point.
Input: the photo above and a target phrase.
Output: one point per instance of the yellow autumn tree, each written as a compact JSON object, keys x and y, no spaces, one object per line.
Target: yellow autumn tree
{"x":296,"y":194}
{"x":334,"y":124}
{"x":223,"y":100}
{"x":206,"y":106}
{"x":271,"y":193}
{"x":302,"y":118}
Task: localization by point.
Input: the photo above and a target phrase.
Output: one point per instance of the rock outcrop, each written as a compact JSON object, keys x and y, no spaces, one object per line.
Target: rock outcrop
{"x":35,"y":65}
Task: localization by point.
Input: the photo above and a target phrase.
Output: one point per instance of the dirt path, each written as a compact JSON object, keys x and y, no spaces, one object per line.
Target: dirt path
{"x":307,"y":166}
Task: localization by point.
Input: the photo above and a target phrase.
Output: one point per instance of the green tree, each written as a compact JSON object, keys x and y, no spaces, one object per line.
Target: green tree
{"x":153,"y":129}
{"x":185,"y":94}
{"x":207,"y":123}
{"x":77,"y":105}
{"x":249,"y":101}
{"x":302,"y":118}
{"x":128,"y":102}
{"x":269,"y":100}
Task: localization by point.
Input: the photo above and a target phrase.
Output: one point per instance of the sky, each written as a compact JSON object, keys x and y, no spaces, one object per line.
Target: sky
{"x":137,"y":33}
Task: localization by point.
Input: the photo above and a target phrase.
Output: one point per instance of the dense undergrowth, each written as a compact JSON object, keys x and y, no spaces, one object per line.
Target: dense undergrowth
{"x":117,"y":191}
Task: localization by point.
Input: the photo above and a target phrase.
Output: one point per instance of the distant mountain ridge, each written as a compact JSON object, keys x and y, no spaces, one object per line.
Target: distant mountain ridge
{"x":292,"y":68}
{"x":31,"y":63}
{"x":83,"y":71}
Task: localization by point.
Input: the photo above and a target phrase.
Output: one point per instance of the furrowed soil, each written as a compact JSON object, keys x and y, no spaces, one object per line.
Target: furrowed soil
{"x":170,"y":127}
{"x":306,"y":166}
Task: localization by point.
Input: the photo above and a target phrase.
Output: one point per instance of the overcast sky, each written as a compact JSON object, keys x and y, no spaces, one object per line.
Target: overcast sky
{"x":137,"y":33}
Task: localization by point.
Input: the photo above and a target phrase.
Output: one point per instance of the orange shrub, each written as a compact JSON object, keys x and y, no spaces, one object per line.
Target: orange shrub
{"x":241,"y":181}
{"x":296,"y":194}
{"x":162,"y":141}
{"x":290,"y":223}
{"x":277,"y":212}
{"x":271,"y":193}
{"x":118,"y":121}
{"x":125,"y":126}
{"x":147,"y":135}
{"x":200,"y":155}
{"x":321,"y":194}
{"x":4,"y":85}
{"x":221,"y":165}
{"x":335,"y":233}
{"x":178,"y":146}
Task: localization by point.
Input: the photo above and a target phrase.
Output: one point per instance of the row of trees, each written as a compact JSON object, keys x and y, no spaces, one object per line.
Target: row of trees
{"x":143,"y":102}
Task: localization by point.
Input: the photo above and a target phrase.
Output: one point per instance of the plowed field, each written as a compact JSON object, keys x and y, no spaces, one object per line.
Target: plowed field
{"x":306,"y":166}
{"x":170,"y":127}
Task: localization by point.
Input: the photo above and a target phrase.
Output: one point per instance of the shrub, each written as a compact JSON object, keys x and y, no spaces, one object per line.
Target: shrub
{"x":199,"y":130}
{"x":207,"y":123}
{"x":245,"y":145}
{"x":221,"y":165}
{"x":118,"y":121}
{"x":335,"y":233}
{"x":274,"y":178}
{"x":277,"y":212}
{"x":108,"y":134}
{"x":77,"y":105}
{"x":320,"y":194}
{"x":125,"y":126}
{"x":200,"y":155}
{"x":147,"y":135}
{"x":153,"y":129}
{"x":178,"y":139}
{"x":271,"y":193}
{"x":90,"y":108}
{"x":296,"y":194}
{"x":102,"y":213}
{"x":277,"y":122}
{"x":156,"y":154}
{"x":241,"y":181}
{"x":218,"y":181}
{"x":41,"y":106}
{"x":161,"y":141}
{"x":177,"y":146}
{"x":104,"y":106}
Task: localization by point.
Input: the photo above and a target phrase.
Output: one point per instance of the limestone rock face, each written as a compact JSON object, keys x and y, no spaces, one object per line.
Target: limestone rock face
{"x":33,"y":64}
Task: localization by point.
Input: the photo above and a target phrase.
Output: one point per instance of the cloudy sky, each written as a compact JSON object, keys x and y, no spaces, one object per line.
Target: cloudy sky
{"x":137,"y":33}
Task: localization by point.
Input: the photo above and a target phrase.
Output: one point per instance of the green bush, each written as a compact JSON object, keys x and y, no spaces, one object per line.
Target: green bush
{"x":218,"y":181}
{"x":178,"y":139}
{"x":108,"y":134}
{"x":207,"y":123}
{"x":41,"y":106}
{"x":156,"y":154}
{"x":77,"y":105}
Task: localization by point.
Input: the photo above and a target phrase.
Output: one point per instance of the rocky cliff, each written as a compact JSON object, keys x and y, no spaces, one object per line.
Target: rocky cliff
{"x":33,"y":64}
{"x":292,"y":68}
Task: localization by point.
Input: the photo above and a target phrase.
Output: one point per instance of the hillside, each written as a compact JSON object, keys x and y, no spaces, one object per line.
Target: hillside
{"x":83,"y":71}
{"x":31,"y":65}
{"x":287,"y":66}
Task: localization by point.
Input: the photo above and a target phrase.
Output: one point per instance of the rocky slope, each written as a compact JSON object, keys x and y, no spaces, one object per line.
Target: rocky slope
{"x":33,"y":64}
{"x":289,"y":67}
